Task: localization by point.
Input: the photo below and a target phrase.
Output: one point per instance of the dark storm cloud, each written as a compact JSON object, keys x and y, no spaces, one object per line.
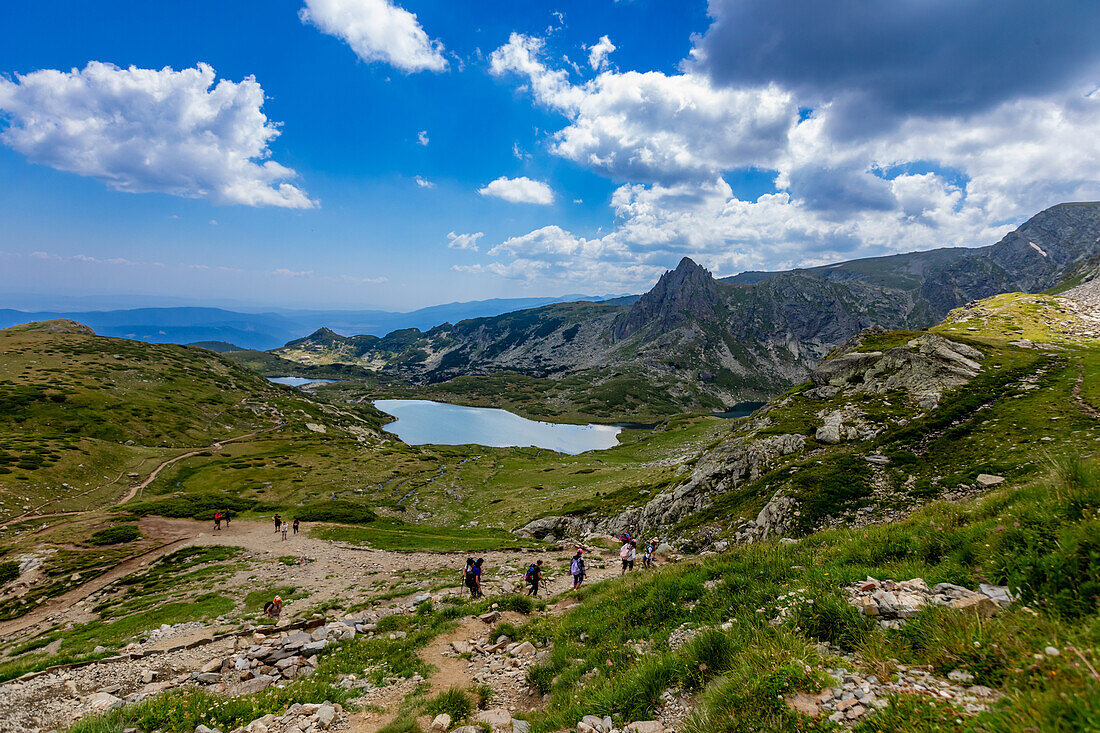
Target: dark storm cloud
{"x":889,"y":59}
{"x":840,"y":191}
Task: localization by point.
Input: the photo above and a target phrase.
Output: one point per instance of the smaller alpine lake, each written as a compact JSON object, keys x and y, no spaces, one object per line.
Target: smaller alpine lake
{"x":299,"y":381}
{"x":421,"y":422}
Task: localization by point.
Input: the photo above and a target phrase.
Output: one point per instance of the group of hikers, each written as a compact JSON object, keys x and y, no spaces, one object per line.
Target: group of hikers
{"x":282,"y":526}
{"x":629,"y":552}
{"x":471,"y":575}
{"x":222,"y":516}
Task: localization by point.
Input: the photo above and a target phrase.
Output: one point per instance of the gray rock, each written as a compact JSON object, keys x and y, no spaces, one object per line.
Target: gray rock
{"x":313,"y":648}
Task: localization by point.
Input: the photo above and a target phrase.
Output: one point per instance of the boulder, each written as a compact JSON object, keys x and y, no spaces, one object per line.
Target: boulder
{"x":524,"y":649}
{"x":256,"y":684}
{"x":520,"y":726}
{"x":101,"y":702}
{"x":325,"y":715}
{"x":441,"y":723}
{"x":313,"y":648}
{"x":999,"y":593}
{"x":490,"y":618}
{"x":979,"y":605}
{"x":988,"y":480}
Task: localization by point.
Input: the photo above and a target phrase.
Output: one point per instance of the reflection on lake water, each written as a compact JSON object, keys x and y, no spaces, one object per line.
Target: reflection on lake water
{"x":421,"y":422}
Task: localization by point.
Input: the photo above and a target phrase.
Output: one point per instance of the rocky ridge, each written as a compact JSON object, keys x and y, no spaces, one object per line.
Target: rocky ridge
{"x":735,"y":339}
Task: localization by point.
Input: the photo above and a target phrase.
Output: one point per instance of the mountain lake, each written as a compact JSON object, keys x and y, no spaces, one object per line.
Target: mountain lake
{"x":299,"y":381}
{"x":421,"y":422}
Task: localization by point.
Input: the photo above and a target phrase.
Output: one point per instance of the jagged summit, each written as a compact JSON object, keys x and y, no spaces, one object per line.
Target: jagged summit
{"x":687,"y":293}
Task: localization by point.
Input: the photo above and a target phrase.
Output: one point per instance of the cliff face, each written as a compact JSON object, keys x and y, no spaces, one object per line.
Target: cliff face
{"x":681,"y":296}
{"x":742,"y":338}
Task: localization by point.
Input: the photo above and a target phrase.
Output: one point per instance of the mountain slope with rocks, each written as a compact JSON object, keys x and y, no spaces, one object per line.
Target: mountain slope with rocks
{"x":708,"y":343}
{"x":888,"y":422}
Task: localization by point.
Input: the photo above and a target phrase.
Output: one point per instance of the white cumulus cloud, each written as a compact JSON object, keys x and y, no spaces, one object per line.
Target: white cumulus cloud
{"x":464,"y":241}
{"x":422,"y":137}
{"x":423,"y":182}
{"x":652,"y":126}
{"x":598,"y":53}
{"x":144,"y":130}
{"x":520,"y":190}
{"x":377,"y":30}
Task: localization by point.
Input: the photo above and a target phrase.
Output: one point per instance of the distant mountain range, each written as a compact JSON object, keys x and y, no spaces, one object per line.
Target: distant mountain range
{"x":185,"y":325}
{"x":742,"y":338}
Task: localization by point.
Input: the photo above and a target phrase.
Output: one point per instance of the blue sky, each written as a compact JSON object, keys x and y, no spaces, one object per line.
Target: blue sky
{"x":745,"y":134}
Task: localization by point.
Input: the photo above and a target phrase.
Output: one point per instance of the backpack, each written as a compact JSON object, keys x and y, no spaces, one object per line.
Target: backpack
{"x":625,"y":552}
{"x":575,"y":566}
{"x":268,"y":606}
{"x":532,"y":573}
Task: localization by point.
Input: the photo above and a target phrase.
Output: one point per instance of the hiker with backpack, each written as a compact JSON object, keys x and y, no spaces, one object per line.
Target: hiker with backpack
{"x":225,"y":516}
{"x":274,"y":608}
{"x":472,"y":576}
{"x":296,"y":520}
{"x":534,"y":575}
{"x":217,"y":521}
{"x":576,"y":569}
{"x":278,"y":522}
{"x":647,"y":556}
{"x":627,"y":554}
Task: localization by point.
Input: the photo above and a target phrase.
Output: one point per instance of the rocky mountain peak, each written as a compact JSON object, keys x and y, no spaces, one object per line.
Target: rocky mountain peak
{"x":687,"y":293}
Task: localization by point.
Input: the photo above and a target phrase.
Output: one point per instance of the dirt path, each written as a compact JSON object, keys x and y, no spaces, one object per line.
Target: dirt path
{"x":1078,"y":400}
{"x":136,"y":488}
{"x":66,"y":603}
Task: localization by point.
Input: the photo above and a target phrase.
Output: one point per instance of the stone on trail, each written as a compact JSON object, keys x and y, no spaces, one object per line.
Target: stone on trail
{"x":103,"y":701}
{"x":497,"y":719}
{"x":524,"y":649}
{"x":987,"y":480}
{"x":257,"y":684}
{"x":200,"y":728}
{"x":441,"y":723}
{"x":490,"y":618}
{"x":325,"y":715}
{"x":645,"y":726}
{"x":461,"y":647}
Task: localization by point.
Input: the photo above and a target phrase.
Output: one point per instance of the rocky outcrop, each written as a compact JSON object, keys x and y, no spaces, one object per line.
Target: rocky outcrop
{"x":722,"y":470}
{"x":891,"y":603}
{"x":924,"y":368}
